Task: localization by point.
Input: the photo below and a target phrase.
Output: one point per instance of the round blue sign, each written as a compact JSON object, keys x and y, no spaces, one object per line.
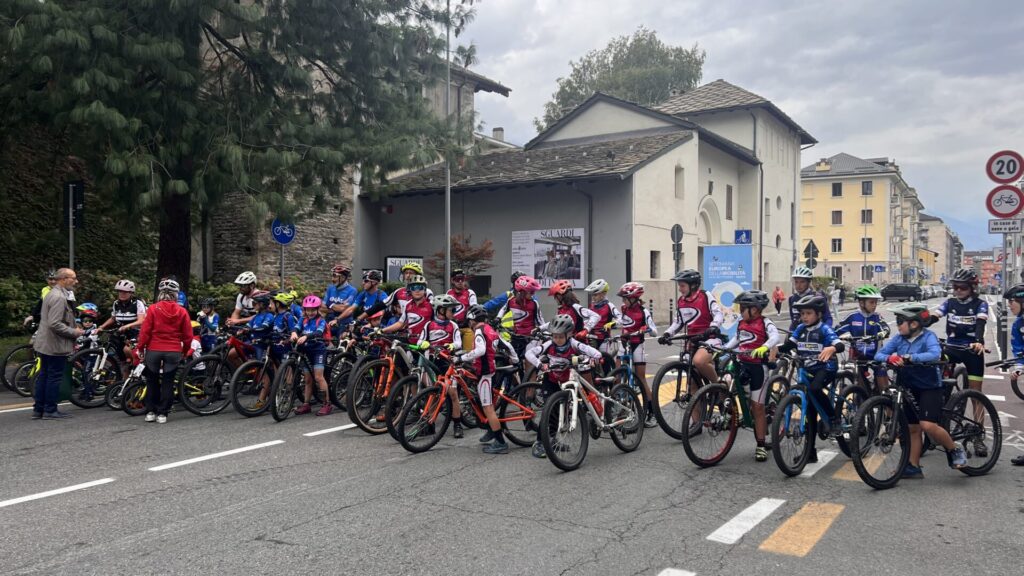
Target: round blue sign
{"x":282,"y":233}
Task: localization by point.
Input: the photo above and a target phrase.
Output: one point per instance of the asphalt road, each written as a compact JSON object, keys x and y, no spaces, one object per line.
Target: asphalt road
{"x":343,"y":502}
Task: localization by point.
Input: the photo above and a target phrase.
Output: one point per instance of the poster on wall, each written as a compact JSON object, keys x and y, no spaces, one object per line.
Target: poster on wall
{"x":550,"y":255}
{"x":393,"y":268}
{"x":728,"y":270}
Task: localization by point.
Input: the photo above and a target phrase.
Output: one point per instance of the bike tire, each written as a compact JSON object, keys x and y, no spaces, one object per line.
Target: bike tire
{"x":1016,"y":388}
{"x":205,"y":392}
{"x":879,"y":429}
{"x":675,"y":389}
{"x":115,"y":396}
{"x":556,"y":429}
{"x":778,"y":388}
{"x":365,"y":396}
{"x":133,"y":402}
{"x":850,"y":397}
{"x":424,"y":420}
{"x":401,"y":392}
{"x":24,"y":379}
{"x":714,"y":410}
{"x":522,"y":432}
{"x":100,"y":377}
{"x":792,"y":441}
{"x":13,"y":360}
{"x":245,"y":387}
{"x":846,"y":378}
{"x":282,"y":392}
{"x":959,"y":420}
{"x":628,"y":435}
{"x":340,"y":372}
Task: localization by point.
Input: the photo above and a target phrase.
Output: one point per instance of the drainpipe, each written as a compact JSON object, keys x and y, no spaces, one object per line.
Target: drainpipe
{"x":760,"y":211}
{"x":590,"y":231}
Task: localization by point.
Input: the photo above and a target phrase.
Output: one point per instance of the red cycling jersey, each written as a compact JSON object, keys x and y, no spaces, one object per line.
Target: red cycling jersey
{"x":416,"y":316}
{"x":439,"y":332}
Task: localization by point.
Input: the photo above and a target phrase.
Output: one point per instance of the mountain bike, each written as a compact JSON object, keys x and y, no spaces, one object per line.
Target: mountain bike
{"x":94,"y":370}
{"x":251,"y":385}
{"x":290,"y":383}
{"x":368,"y":389}
{"x":675,"y":384}
{"x":14,"y":359}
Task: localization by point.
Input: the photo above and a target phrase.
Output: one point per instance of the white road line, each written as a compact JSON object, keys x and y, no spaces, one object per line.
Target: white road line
{"x":733,"y":530}
{"x":676,"y":572}
{"x":329,"y":430}
{"x":996,"y":397}
{"x":49,"y":493}
{"x":994,"y":377}
{"x":217,"y":455}
{"x":24,"y":408}
{"x":824,"y":457}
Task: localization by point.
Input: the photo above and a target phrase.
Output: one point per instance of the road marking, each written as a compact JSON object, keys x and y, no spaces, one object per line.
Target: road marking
{"x":824,"y":457}
{"x":849,"y":472}
{"x":26,"y":406}
{"x":996,"y":397}
{"x":216,"y":455}
{"x":994,"y":377}
{"x":676,"y":572}
{"x":49,"y":493}
{"x":329,"y":430}
{"x":1005,"y":417}
{"x":798,"y":535}
{"x":733,"y":530}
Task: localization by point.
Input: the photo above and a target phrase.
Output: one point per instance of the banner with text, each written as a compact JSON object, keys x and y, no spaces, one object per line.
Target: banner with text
{"x":550,"y":255}
{"x":728,"y":270}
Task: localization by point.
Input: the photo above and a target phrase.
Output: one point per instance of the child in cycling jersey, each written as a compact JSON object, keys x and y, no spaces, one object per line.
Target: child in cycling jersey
{"x":485,"y":342}
{"x":523,"y":311}
{"x":308,"y":338}
{"x":697,"y":312}
{"x":637,"y":323}
{"x":261,"y":326}
{"x":1015,"y":299}
{"x":443,"y":332}
{"x":196,"y":348}
{"x":607,"y":316}
{"x":867,"y":329}
{"x":584,"y":319}
{"x":915,"y":344}
{"x":756,"y":337}
{"x":209,"y":322}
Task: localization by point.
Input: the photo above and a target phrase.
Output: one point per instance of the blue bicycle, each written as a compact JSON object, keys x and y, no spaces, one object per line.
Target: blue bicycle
{"x":790,"y":428}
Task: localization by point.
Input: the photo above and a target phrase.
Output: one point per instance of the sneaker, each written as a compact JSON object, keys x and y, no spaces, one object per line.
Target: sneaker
{"x":1018,"y":460}
{"x":325,"y":410}
{"x":496,"y":447}
{"x":56,"y":415}
{"x":458,"y":430}
{"x":161,"y":419}
{"x":487,"y":438}
{"x":651,"y":421}
{"x":912,"y":472}
{"x":980,"y":449}
{"x":304,"y":409}
{"x":761,"y":454}
{"x":538,"y":450}
{"x":36,"y":415}
{"x":151,"y":417}
{"x":259,"y":404}
{"x":957,"y":458}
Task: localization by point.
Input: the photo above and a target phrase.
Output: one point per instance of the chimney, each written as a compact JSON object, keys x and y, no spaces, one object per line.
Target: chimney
{"x":823,"y":165}
{"x":498,"y":134}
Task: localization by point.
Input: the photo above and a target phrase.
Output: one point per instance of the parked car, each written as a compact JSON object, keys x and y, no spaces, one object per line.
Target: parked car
{"x":902,"y":291}
{"x":927,"y":292}
{"x":940,"y":291}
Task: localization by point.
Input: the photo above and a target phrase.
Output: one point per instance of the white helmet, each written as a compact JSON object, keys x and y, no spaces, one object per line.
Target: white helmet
{"x":168,"y":284}
{"x":125,"y":286}
{"x":597,"y":287}
{"x":802,"y":272}
{"x":245,"y":278}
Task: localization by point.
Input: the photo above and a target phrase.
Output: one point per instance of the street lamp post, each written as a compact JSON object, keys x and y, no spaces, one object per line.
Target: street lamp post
{"x":447,"y":159}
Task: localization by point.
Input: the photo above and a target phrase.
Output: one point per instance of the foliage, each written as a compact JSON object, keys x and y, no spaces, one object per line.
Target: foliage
{"x":472,"y":259}
{"x":390,"y":287}
{"x":638,"y":68}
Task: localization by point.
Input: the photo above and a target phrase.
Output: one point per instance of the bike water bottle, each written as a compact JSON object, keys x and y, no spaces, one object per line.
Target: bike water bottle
{"x":595,"y":402}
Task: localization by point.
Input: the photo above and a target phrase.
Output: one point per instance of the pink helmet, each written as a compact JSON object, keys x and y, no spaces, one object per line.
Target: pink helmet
{"x":527,"y":284}
{"x":311,"y":301}
{"x":631,"y":290}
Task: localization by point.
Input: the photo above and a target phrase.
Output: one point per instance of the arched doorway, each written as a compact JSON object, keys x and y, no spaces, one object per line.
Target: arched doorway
{"x":709,"y":228}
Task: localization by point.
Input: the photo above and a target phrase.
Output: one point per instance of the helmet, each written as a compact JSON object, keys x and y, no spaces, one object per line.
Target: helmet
{"x":515,"y":276}
{"x":912,"y":311}
{"x":802,"y":272}
{"x":597,"y":287}
{"x":562,"y":324}
{"x":457,"y":272}
{"x":631,"y":290}
{"x":414,"y":266}
{"x":211,"y":302}
{"x":195,"y":324}
{"x":445,"y":301}
{"x":261,"y":296}
{"x":476,"y":313}
{"x":966,"y":275}
{"x":373,"y":275}
{"x":417,"y":279}
{"x":752,"y":298}
{"x":311,"y":301}
{"x":526,"y":284}
{"x":51,"y":274}
{"x":867,"y":292}
{"x":125,"y":286}
{"x":560,"y":287}
{"x":1014,"y":293}
{"x":168,"y":284}
{"x":689,"y":276}
{"x":88,"y":309}
{"x":285,"y":298}
{"x":811,"y":302}
{"x":245,"y":278}
{"x":341,"y":269}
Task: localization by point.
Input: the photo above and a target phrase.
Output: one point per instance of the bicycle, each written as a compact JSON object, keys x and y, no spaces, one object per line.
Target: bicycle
{"x":580,"y":411}
{"x":251,"y":385}
{"x":423,"y":374}
{"x":674,"y":386}
{"x":94,"y":370}
{"x":368,"y":390}
{"x":289,"y":383}
{"x":881,"y":435}
{"x":14,"y":359}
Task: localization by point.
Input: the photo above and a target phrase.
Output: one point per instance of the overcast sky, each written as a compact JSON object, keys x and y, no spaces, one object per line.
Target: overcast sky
{"x":939,"y":86}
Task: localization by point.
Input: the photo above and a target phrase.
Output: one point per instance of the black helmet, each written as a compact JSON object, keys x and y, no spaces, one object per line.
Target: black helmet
{"x":913,"y":311}
{"x":373,"y":275}
{"x":476,"y":313}
{"x":811,"y":301}
{"x":1015,"y":293}
{"x":515,"y":276}
{"x":51,"y":274}
{"x":562,"y":324}
{"x":752,"y":298}
{"x":457,"y":272}
{"x":261,"y":297}
{"x":690,"y":276}
{"x":211,"y":302}
{"x":967,"y":275}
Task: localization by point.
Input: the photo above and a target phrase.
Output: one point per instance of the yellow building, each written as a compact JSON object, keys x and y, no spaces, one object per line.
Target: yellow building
{"x":926,"y":260}
{"x":864,"y":219}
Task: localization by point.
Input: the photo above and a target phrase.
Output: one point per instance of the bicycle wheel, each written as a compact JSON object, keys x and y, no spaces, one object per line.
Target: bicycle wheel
{"x":365,"y":397}
{"x":960,"y":417}
{"x":1016,"y":388}
{"x":849,"y":399}
{"x":845,"y":378}
{"x":24,"y":380}
{"x":424,"y":420}
{"x":401,"y":392}
{"x":713,"y":410}
{"x":629,"y":409}
{"x":89,"y":379}
{"x":289,"y":376}
{"x":12,"y":361}
{"x":519,"y":425}
{"x":133,"y":401}
{"x":341,"y":369}
{"x":115,"y":396}
{"x":205,"y":391}
{"x":778,"y":388}
{"x":565,"y":430}
{"x":247,"y":383}
{"x":881,"y":442}
{"x":792,"y":441}
{"x":671,"y":397}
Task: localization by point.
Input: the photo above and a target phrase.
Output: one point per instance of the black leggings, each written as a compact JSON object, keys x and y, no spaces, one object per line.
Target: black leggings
{"x":974,"y":363}
{"x":819,"y":381}
{"x":160,"y":387}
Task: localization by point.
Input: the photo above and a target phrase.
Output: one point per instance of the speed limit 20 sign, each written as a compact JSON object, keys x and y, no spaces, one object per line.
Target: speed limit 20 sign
{"x":1005,"y":167}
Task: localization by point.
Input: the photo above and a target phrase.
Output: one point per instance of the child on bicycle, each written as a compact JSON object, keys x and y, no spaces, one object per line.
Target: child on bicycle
{"x":802,"y":277}
{"x":485,"y":343}
{"x":817,"y":344}
{"x":443,"y":332}
{"x":867,"y":329}
{"x":584,"y":319}
{"x":196,"y":347}
{"x":1015,"y":297}
{"x":416,"y":312}
{"x":607,"y":314}
{"x":697,"y":312}
{"x":209,"y":322}
{"x":524,"y":312}
{"x":308,"y":338}
{"x":756,"y":337}
{"x":637,"y":322}
{"x":916,"y":344}
{"x":554,"y":359}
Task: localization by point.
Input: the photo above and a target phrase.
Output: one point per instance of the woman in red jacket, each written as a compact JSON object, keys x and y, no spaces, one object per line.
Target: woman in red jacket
{"x":165,"y":337}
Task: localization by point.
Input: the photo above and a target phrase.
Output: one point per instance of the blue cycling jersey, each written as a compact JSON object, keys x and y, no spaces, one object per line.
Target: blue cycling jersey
{"x":860,"y":325}
{"x":923,"y":348}
{"x":794,"y":314}
{"x":334,"y":295}
{"x":367,"y":300}
{"x":1017,"y":337}
{"x":262,"y":325}
{"x":962,"y":320}
{"x":810,"y":341}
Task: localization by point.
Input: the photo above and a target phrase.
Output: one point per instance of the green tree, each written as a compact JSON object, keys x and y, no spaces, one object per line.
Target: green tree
{"x":471,"y":259}
{"x":175,"y":103}
{"x":638,"y":68}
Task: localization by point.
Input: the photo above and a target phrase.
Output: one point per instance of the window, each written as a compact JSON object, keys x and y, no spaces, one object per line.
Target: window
{"x":778,"y":241}
{"x":680,"y":182}
{"x":867,"y":272}
{"x":837,"y":245}
{"x":837,"y":273}
{"x":837,"y":217}
{"x":655,"y":263}
{"x":778,"y":203}
{"x":711,"y":187}
{"x":866,"y":216}
{"x":728,"y":201}
{"x":866,"y":188}
{"x":837,"y":189}
{"x":866,"y":245}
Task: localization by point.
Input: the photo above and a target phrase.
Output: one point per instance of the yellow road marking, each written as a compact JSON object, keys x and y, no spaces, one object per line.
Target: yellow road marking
{"x":667,"y":391}
{"x":798,"y":535}
{"x":849,"y":473}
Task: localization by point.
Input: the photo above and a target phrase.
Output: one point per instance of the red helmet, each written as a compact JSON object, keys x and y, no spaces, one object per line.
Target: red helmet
{"x":560,"y":287}
{"x":527,"y":284}
{"x":631,"y":290}
{"x":341,"y":269}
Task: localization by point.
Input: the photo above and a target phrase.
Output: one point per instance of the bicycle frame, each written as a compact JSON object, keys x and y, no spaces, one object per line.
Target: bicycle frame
{"x":833,"y":394}
{"x":574,"y":384}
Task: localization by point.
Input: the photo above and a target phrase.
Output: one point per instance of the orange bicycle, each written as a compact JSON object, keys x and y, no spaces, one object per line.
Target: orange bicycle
{"x":425,"y":418}
{"x":370,"y":386}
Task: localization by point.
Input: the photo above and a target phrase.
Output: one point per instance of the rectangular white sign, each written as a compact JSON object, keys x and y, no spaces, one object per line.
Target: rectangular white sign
{"x":1004,"y":226}
{"x":550,"y":255}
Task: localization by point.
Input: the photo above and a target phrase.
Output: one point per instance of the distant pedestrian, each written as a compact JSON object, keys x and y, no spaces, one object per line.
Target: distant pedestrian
{"x":778,"y":296}
{"x":835,"y":297}
{"x":166,"y":336}
{"x":54,"y":341}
